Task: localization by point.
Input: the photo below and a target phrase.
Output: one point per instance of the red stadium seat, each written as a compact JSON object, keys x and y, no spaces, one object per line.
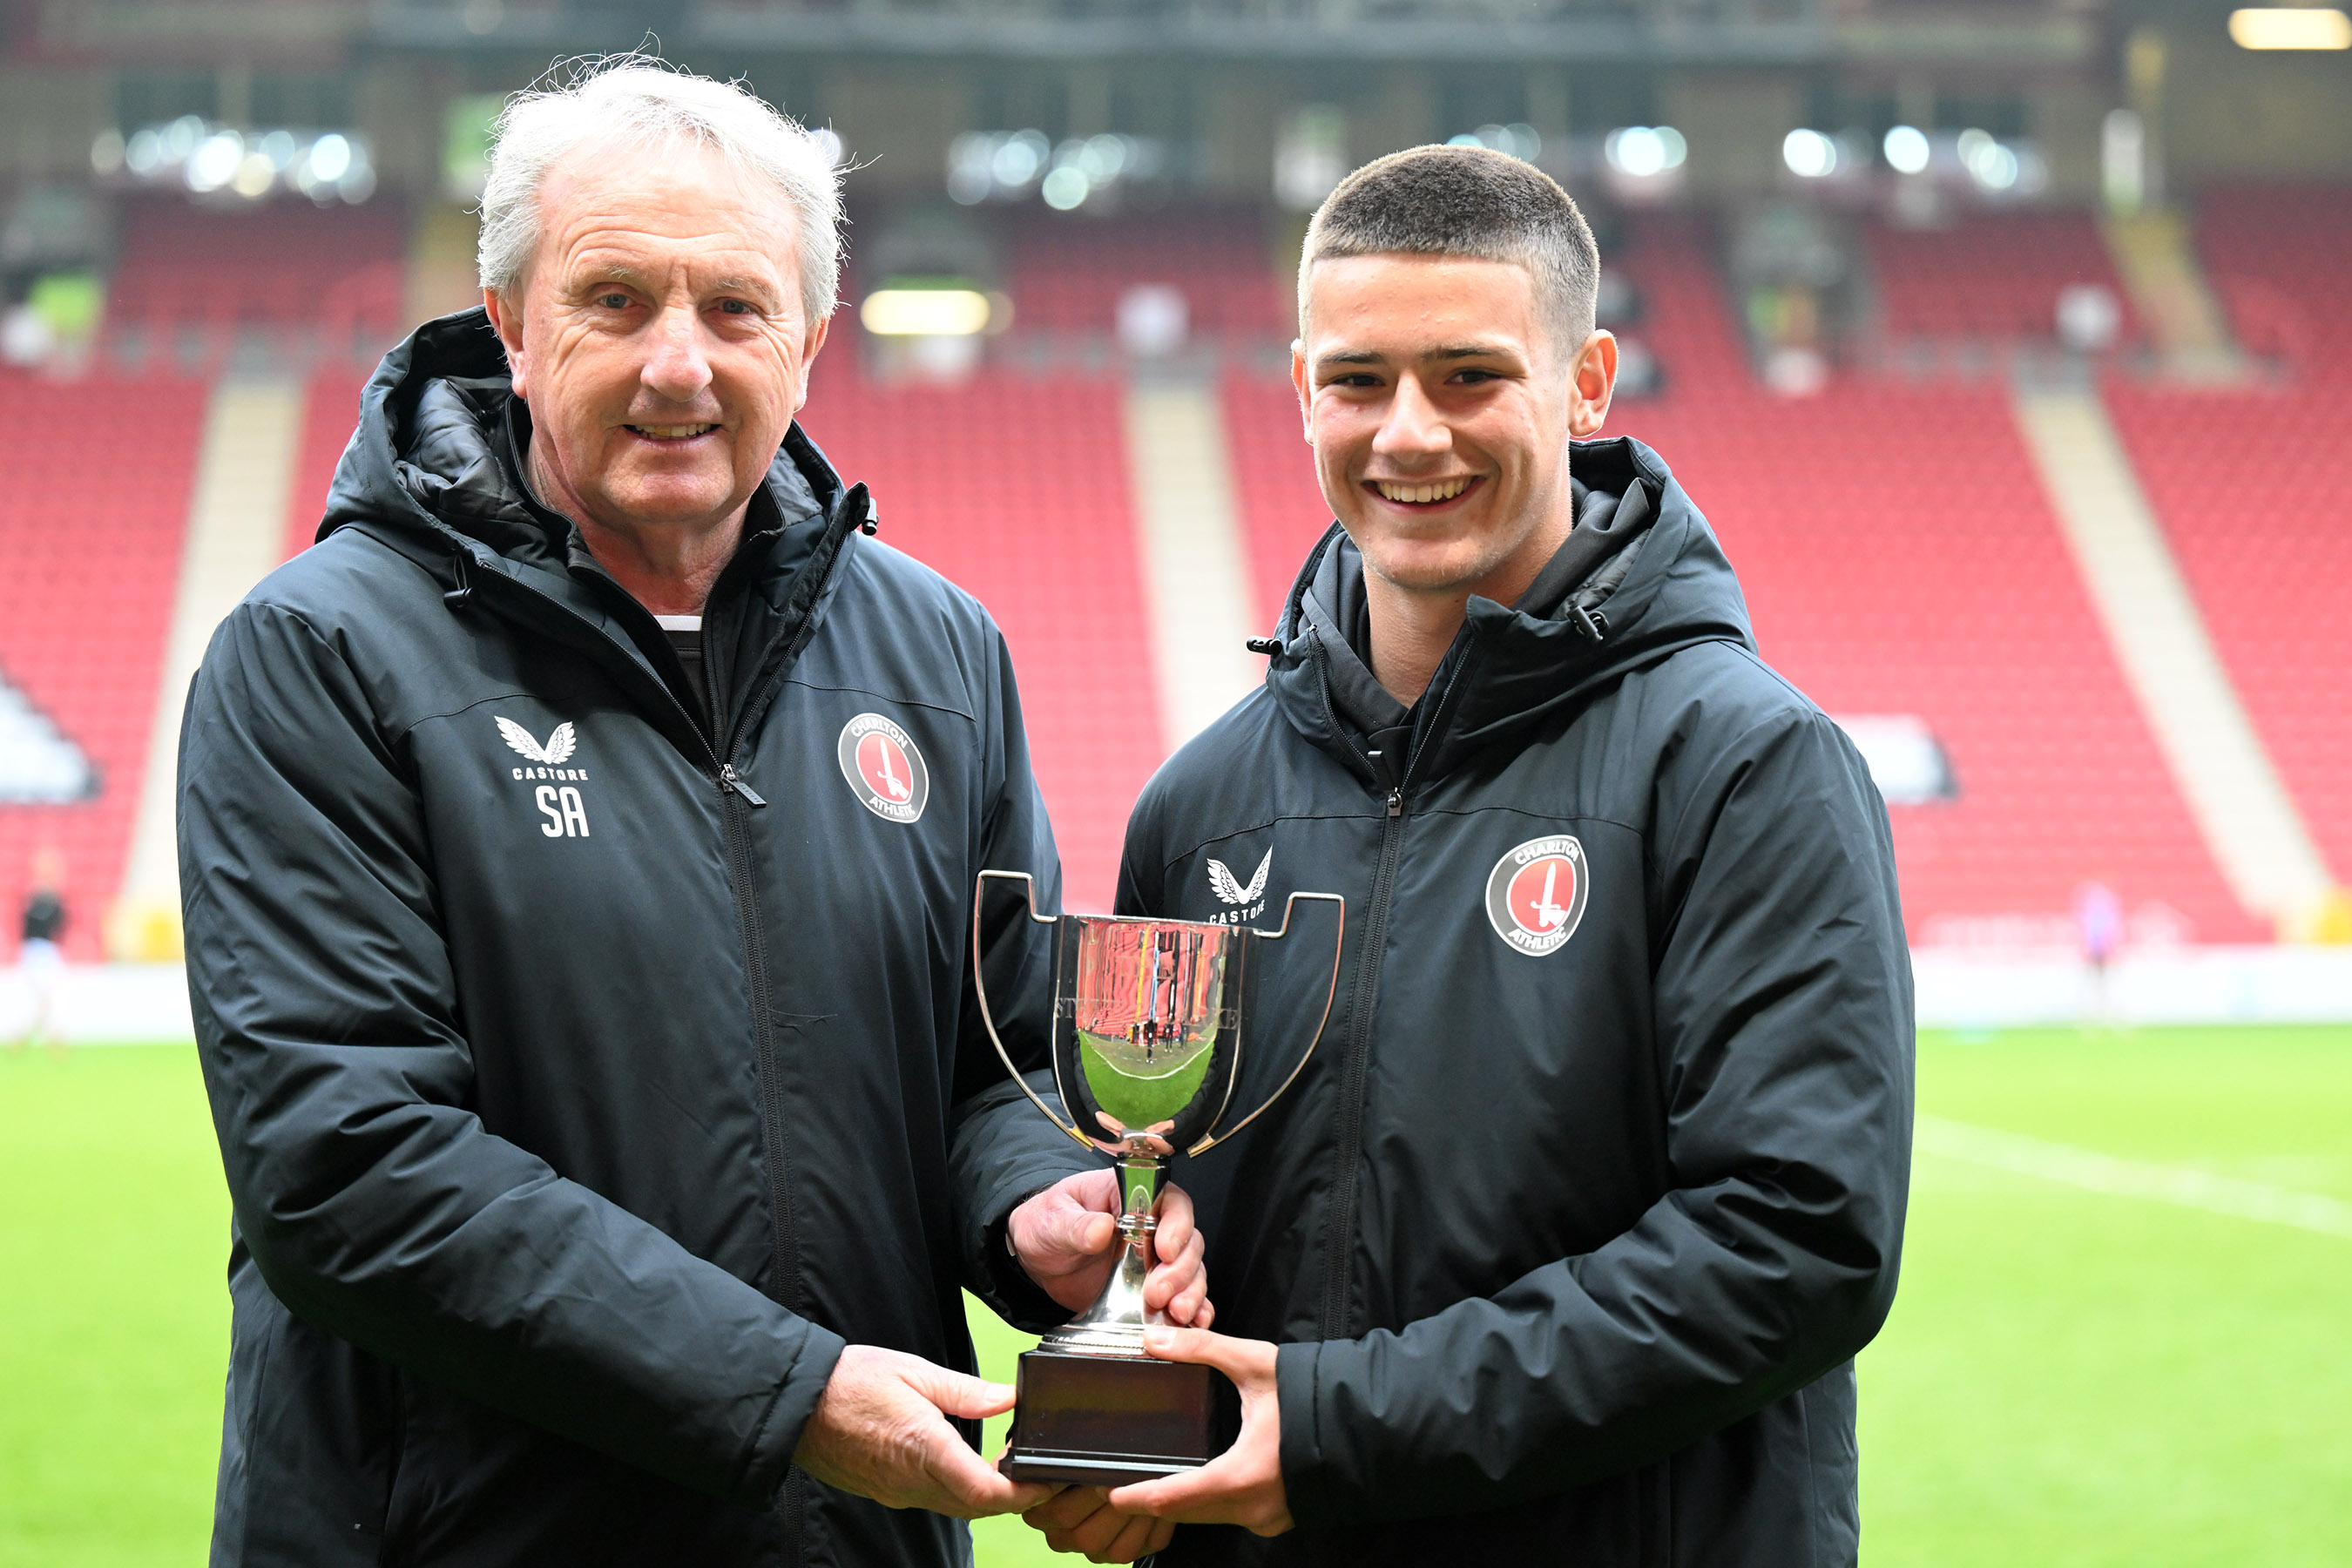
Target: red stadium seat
{"x":1898,"y":557}
{"x":2254,"y":487}
{"x":93,"y":554}
{"x":1016,"y":488}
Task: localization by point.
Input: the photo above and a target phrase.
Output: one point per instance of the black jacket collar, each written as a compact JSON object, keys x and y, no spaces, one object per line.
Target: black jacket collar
{"x":1641,"y":576}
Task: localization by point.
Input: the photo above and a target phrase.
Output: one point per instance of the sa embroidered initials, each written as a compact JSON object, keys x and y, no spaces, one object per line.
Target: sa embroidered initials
{"x":566,"y":812}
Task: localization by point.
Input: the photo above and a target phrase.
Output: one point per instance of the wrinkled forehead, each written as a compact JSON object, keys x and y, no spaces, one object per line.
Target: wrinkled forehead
{"x":671,"y":200}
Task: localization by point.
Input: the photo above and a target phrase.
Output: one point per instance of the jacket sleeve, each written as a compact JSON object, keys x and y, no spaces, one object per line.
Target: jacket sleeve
{"x":1782,"y":994}
{"x":1004,"y":1151}
{"x":372,"y":1200}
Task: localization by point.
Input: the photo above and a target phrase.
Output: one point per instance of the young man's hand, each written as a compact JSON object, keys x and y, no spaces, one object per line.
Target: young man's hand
{"x":1068,"y":1240}
{"x":1243,"y":1485}
{"x":1081,"y":1520}
{"x":881,"y":1430}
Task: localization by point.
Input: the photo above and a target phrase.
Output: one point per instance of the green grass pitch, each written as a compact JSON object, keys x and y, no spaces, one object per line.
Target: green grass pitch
{"x":2071,"y":1376}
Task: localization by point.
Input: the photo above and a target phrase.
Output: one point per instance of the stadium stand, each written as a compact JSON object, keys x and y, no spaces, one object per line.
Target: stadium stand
{"x":331,"y":404}
{"x":1988,"y":279}
{"x":1929,"y":580}
{"x":2254,"y":487}
{"x":1018,"y":491}
{"x":2276,"y":256}
{"x":333,"y":271}
{"x":1280,"y":504}
{"x":93,"y":560}
{"x":1067,"y":273}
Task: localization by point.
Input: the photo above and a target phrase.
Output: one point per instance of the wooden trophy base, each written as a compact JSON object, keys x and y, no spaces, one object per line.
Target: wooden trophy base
{"x":1107,"y":1421}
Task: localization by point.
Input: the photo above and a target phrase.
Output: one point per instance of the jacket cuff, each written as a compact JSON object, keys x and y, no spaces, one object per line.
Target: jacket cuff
{"x":1306,"y":1481}
{"x":788,"y":1415}
{"x":998,"y":1281}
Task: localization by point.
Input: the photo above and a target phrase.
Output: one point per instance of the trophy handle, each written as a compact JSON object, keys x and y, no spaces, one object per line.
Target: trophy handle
{"x":988,"y":1018}
{"x":1339,"y":945}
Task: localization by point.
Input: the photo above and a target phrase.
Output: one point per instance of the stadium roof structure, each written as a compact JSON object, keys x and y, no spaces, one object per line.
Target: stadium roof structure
{"x":1525,"y":32}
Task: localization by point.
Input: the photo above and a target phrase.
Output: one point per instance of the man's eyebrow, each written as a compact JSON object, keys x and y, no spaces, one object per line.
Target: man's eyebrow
{"x":611,"y":272}
{"x":1445,"y":351}
{"x":741,"y":284}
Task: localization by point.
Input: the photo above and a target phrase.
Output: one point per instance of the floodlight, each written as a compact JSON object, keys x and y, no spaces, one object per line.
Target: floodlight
{"x":253,"y":176}
{"x":2313,"y":27}
{"x":1642,"y":151}
{"x":1064,"y":188}
{"x":1809,"y":154}
{"x":1906,"y":149}
{"x":143,"y":154}
{"x":926,"y":312}
{"x":331,"y":158}
{"x":216,"y":161}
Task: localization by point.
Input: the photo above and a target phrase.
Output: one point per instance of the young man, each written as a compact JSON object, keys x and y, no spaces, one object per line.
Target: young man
{"x":1562,"y":1248}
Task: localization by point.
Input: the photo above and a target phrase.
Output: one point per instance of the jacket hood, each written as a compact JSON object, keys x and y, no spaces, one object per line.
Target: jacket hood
{"x":432,"y":453}
{"x":1670,"y":586}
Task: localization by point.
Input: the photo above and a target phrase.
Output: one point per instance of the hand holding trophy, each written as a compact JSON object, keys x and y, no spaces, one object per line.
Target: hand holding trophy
{"x":1147,"y":1029}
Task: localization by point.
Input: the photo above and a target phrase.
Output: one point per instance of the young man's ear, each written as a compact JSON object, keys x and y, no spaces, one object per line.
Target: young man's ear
{"x":1299,"y":383}
{"x":1592,"y":383}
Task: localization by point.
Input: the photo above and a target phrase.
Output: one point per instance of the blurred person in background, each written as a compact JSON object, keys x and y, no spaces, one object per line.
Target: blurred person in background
{"x":2099,"y":922}
{"x":41,"y":960}
{"x":576,"y":847}
{"x":1563,"y":1249}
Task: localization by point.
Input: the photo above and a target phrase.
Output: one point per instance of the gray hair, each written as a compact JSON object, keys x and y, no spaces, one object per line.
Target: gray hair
{"x":1468,"y":202}
{"x":640,"y":99}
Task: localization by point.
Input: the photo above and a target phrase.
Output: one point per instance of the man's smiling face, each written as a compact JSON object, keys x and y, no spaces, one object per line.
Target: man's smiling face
{"x":658,"y":336}
{"x":1440,"y":408}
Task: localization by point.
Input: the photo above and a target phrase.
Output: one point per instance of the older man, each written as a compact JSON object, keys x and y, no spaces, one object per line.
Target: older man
{"x":577,"y":848}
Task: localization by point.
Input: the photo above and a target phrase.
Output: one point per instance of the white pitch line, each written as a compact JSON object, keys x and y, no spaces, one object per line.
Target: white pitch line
{"x":2098,"y":1172}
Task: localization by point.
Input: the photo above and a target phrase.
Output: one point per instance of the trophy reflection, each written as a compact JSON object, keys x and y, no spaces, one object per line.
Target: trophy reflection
{"x":1149,"y":1023}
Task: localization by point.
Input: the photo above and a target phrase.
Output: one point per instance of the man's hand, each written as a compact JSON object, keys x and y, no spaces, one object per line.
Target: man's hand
{"x":879,"y":1431}
{"x":1068,"y":1240}
{"x":1241,"y":1486}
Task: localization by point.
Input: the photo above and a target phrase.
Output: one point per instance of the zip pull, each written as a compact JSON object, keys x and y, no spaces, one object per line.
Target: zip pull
{"x":859,"y":504}
{"x":1396,"y":803}
{"x":729,"y":779}
{"x":462,"y":595}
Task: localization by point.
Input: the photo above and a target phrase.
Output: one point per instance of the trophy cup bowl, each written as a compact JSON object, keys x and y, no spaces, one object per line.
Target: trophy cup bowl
{"x":1148,"y":1029}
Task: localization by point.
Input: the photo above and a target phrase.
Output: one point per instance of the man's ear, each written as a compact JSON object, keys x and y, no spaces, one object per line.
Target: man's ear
{"x":1592,"y":383}
{"x":1298,"y":381}
{"x":808,"y":361}
{"x":508,"y":324}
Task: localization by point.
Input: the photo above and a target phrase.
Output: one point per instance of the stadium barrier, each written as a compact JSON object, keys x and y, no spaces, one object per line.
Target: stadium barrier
{"x":143,"y":1003}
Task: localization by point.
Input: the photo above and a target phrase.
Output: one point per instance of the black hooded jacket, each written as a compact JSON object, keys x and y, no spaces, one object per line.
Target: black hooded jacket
{"x":1595,"y":1184}
{"x":587,"y":1069}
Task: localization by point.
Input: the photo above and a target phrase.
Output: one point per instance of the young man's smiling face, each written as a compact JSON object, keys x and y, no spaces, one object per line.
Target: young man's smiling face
{"x":1440,"y":404}
{"x":658,"y":336}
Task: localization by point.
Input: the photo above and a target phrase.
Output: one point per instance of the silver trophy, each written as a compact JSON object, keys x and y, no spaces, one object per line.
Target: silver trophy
{"x":1148,"y":1029}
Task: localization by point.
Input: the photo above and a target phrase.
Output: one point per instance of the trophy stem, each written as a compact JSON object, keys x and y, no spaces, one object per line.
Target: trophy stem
{"x":1114,"y":1325}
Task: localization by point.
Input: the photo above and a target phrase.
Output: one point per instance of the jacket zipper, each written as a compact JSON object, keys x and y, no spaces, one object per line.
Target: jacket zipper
{"x":737,"y":799}
{"x":1339,"y":1238}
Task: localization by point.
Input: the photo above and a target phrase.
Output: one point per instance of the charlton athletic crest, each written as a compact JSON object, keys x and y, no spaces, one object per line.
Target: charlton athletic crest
{"x":883,"y":769}
{"x":1535,"y":894}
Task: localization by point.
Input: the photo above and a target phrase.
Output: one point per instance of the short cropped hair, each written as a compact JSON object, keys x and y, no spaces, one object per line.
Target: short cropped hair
{"x":637,"y":98}
{"x":1471,"y":203}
